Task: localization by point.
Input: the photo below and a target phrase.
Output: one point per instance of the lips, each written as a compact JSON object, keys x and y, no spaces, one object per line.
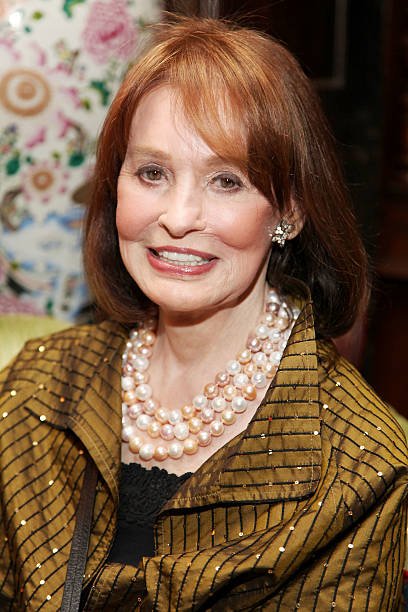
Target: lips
{"x":182,"y":256}
{"x":180,"y":260}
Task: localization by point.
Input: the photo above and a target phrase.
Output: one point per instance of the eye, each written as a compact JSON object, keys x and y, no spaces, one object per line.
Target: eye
{"x":227,"y":182}
{"x":151,"y":174}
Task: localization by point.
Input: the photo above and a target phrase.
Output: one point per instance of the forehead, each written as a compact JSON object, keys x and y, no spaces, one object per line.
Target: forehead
{"x":217,"y":127}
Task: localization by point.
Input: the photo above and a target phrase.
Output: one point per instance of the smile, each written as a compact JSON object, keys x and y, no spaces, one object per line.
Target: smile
{"x":182,"y":261}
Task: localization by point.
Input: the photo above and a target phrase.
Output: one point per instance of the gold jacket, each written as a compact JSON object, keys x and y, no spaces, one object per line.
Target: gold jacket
{"x":306,"y":509}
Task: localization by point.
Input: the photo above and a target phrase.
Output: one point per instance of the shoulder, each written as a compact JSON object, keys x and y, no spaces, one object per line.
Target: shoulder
{"x":77,"y":349}
{"x":360,"y":425}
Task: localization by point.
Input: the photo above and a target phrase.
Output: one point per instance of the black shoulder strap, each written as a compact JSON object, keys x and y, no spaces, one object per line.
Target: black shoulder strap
{"x":71,"y":597}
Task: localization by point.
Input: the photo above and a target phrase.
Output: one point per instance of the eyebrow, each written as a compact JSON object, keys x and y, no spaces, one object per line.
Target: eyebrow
{"x":148,"y":151}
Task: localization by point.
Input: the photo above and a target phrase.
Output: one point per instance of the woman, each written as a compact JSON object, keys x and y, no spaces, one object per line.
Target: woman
{"x":253,"y":469}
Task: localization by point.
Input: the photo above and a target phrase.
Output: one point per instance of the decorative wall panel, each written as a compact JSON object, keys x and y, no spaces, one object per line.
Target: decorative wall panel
{"x":61,"y":62}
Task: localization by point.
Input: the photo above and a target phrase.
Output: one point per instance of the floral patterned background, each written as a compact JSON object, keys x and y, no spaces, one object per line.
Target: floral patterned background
{"x":61,"y":62}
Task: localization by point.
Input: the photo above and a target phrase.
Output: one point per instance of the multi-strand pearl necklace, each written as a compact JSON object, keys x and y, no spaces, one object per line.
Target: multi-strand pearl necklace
{"x":156,"y":432}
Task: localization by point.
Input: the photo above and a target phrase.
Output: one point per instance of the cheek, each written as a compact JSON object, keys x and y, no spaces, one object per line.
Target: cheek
{"x":131,"y":214}
{"x":248,"y":229}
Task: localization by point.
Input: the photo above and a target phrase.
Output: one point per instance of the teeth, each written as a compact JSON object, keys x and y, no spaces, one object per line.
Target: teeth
{"x":184,"y":258}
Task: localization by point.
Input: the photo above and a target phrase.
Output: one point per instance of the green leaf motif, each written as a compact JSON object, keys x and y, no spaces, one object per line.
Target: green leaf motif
{"x":76,"y":159}
{"x":104,"y":92}
{"x":13,"y":166}
{"x":68,"y":4}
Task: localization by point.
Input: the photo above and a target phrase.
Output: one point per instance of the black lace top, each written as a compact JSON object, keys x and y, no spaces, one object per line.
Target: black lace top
{"x":142,"y":494}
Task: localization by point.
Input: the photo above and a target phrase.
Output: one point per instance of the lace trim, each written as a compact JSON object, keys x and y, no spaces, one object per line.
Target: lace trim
{"x":142,"y":492}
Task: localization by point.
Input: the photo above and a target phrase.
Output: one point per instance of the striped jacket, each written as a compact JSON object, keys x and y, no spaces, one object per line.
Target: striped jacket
{"x":306,"y":509}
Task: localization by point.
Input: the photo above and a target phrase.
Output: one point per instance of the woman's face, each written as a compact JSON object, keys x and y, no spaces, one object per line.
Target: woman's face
{"x":193,"y":231}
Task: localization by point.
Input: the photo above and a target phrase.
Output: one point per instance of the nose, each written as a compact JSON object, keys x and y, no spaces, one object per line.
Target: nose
{"x":183,"y":212}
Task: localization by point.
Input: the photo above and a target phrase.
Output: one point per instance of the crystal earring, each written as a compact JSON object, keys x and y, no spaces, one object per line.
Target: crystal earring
{"x":282,"y":232}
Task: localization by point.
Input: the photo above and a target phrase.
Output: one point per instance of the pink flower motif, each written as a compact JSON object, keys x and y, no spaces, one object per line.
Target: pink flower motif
{"x":10,"y":304}
{"x":109,"y":31}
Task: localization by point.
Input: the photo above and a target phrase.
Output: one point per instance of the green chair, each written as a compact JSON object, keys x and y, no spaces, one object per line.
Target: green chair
{"x":16,"y":329}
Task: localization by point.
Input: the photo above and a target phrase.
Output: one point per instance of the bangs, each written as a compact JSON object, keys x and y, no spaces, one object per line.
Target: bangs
{"x":213,"y":109}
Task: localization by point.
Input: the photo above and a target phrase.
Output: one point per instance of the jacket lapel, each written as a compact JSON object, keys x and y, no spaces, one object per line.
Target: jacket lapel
{"x":84,"y":396}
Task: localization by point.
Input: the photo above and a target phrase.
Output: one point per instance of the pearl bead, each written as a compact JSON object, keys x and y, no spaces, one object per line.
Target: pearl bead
{"x":207,"y":415}
{"x":269,"y":369}
{"x":259,"y":359}
{"x":124,"y":409}
{"x":217,"y":428}
{"x":249,"y":392}
{"x":161,"y":453}
{"x":188,"y":411}
{"x":127,"y":383}
{"x":218,"y":404}
{"x":190,"y":446}
{"x":275,"y":357}
{"x":135,"y":442}
{"x":143,"y":421}
{"x":141,"y":377}
{"x":175,"y":416}
{"x":149,"y":337}
{"x":143,"y":392}
{"x":259,"y":380}
{"x":140,"y":363}
{"x":240,"y":380}
{"x":272,"y":308}
{"x":244,"y":356}
{"x":181,"y":431}
{"x":167,"y":431}
{"x":282,"y":323}
{"x":153,"y":429}
{"x":204,"y":438}
{"x":239,"y":404}
{"x":134,"y":410}
{"x":200,"y":401}
{"x":267,"y":347}
{"x":130,"y":397}
{"x":175,"y":450}
{"x":254,"y":344}
{"x":146,"y":452}
{"x":229,"y":392}
{"x":233,"y":367}
{"x":195,"y":425}
{"x":269,"y":319}
{"x":161,"y":414}
{"x":210,"y":390}
{"x":145,"y":351}
{"x":150,"y":406}
{"x":262,"y":331}
{"x":126,"y":433}
{"x":127,"y":369}
{"x":228,"y":416}
{"x":222,"y":379}
{"x":250,"y":369}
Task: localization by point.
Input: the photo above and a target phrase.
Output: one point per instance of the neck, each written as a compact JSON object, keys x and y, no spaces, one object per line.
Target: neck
{"x":213,"y":337}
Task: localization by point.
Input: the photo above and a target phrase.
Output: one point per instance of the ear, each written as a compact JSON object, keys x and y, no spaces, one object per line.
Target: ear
{"x":296,"y":217}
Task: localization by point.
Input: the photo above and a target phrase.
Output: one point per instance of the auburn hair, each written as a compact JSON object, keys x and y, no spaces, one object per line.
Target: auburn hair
{"x":282,"y":142}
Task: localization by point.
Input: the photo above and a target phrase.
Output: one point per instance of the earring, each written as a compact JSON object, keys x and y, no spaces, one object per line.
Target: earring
{"x":282,"y":232}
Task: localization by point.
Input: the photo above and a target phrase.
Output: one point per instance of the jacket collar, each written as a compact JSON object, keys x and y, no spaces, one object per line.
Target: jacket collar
{"x":277,"y":457}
